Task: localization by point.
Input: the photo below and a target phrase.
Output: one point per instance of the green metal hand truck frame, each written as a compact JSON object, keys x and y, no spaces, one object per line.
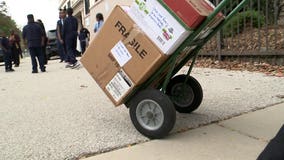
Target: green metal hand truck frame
{"x":153,"y":105}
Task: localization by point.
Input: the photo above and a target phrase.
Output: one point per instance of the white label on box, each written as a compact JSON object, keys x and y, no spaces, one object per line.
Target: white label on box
{"x":119,"y":86}
{"x":121,"y":53}
{"x":158,"y":24}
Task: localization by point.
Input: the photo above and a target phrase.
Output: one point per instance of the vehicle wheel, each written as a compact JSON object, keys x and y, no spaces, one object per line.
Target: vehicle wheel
{"x":186,"y":97}
{"x":152,"y":113}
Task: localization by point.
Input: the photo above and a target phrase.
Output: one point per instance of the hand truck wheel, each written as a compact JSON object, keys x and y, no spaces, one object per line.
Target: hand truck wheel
{"x":186,"y":96}
{"x":152,"y":113}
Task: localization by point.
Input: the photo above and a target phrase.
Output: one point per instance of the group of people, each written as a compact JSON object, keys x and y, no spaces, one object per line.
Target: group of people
{"x":12,"y":50}
{"x":35,"y":38}
{"x":66,"y":32}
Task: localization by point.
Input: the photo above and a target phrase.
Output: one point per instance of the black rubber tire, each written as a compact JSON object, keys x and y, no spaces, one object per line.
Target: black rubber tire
{"x":166,"y":107}
{"x":186,"y":97}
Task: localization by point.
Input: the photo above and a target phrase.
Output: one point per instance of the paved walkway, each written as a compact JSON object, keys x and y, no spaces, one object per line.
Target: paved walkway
{"x":63,"y":114}
{"x":242,"y":137}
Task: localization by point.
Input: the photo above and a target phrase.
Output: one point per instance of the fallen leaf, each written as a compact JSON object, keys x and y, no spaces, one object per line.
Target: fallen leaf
{"x":84,"y":86}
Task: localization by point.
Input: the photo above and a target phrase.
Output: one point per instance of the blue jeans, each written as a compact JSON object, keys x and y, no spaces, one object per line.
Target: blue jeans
{"x":71,"y":43}
{"x":36,"y":52}
{"x":61,"y":51}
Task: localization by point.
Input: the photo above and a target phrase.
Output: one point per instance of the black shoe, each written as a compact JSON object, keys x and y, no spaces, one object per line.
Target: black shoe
{"x":43,"y":69}
{"x":35,"y":71}
{"x":10,"y":70}
{"x":16,"y":65}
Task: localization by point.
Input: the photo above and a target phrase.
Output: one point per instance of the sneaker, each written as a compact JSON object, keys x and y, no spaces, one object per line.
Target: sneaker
{"x":75,"y":65}
{"x":35,"y":71}
{"x":68,"y":65}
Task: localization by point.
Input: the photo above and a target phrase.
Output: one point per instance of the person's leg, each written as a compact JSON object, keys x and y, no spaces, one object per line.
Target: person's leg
{"x":40,"y":57}
{"x":18,"y":56}
{"x":6,"y":61}
{"x":71,"y":49}
{"x":274,"y":149}
{"x":43,"y":50}
{"x":65,"y":53}
{"x":74,"y":50}
{"x":15,"y":55}
{"x":9,"y":61}
{"x":83,"y":46}
{"x":60,"y":51}
{"x":33,"y":59}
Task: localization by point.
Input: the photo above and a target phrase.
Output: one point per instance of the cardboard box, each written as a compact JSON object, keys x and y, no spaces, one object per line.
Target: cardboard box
{"x":194,"y":12}
{"x":158,"y":24}
{"x":121,"y":56}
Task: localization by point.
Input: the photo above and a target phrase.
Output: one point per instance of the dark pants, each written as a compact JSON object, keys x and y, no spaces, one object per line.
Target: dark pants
{"x":16,"y":55}
{"x":45,"y":59}
{"x":71,"y":43}
{"x":8,"y":60}
{"x":61,"y":51}
{"x":36,"y":52}
{"x":274,"y":149}
{"x":83,"y":46}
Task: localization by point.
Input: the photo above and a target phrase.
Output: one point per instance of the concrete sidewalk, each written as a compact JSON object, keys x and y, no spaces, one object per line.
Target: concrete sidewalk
{"x":242,"y":137}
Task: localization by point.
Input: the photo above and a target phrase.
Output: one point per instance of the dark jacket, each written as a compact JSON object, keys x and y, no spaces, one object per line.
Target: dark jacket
{"x":33,"y":34}
{"x":5,"y":45}
{"x":70,"y":27}
{"x":84,"y":33}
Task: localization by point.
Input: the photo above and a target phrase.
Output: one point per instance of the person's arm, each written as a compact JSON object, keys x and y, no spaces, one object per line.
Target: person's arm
{"x":24,"y":36}
{"x":4,"y":44}
{"x":88,"y":34}
{"x":1,"y":45}
{"x":41,"y":32}
{"x":76,"y":25}
{"x":95,"y":27}
{"x":18,"y":44}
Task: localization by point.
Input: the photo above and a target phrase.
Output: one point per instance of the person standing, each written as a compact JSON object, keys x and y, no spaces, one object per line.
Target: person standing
{"x":70,"y":33}
{"x":59,"y":35}
{"x":5,"y":46}
{"x":99,"y":23}
{"x":45,"y":41}
{"x":34,"y":36}
{"x":84,"y":36}
{"x":15,"y":48}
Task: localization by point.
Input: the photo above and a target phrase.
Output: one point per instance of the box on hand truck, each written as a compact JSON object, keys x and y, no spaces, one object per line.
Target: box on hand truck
{"x":133,"y":69}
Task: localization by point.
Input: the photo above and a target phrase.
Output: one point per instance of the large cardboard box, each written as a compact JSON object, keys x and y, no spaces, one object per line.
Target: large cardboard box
{"x":159,"y":25}
{"x":121,"y":56}
{"x":194,"y":12}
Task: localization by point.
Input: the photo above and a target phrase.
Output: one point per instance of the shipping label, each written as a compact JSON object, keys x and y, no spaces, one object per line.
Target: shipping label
{"x":121,"y":53}
{"x":119,"y":86}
